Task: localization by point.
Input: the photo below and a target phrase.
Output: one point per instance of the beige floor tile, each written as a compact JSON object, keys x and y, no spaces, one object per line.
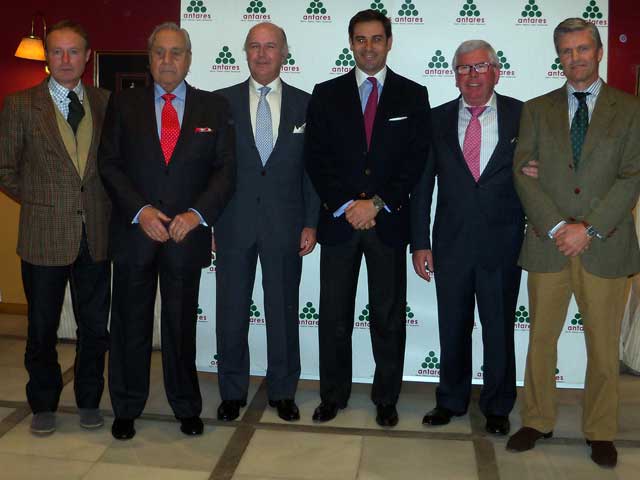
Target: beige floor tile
{"x":306,"y":456}
{"x":409,"y":458}
{"x":109,"y":471}
{"x":414,"y":401}
{"x":69,"y":442}
{"x":12,"y":352}
{"x":161,"y":444}
{"x":29,"y":467}
{"x":260,"y":477}
{"x":4,"y":412}
{"x":13,"y":325}
{"x":12,"y":386}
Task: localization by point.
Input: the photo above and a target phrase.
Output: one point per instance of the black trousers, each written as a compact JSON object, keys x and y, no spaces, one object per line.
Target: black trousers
{"x":132,"y":314}
{"x":496,"y":292}
{"x":387,"y":279}
{"x":44,"y":287}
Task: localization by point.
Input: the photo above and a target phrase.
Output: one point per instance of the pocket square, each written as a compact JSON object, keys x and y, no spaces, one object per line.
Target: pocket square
{"x":397,"y":119}
{"x":299,"y":129}
{"x":203,"y":130}
{"x":514,"y":140}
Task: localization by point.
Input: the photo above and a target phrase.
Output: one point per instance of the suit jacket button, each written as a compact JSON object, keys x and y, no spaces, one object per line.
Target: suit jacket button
{"x":363,"y":195}
{"x":576,"y":190}
{"x":263,"y":173}
{"x":570,"y":166}
{"x":367,"y":171}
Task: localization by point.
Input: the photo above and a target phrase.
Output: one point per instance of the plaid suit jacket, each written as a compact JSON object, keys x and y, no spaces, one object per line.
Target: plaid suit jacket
{"x":36,"y":171}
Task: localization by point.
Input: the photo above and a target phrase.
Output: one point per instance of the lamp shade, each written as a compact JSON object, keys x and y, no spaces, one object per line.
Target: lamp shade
{"x":31,"y":48}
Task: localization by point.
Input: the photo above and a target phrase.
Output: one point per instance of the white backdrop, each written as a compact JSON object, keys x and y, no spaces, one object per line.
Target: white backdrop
{"x":425,"y":35}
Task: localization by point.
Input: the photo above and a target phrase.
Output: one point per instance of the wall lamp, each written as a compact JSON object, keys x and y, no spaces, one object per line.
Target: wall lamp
{"x":31,"y":46}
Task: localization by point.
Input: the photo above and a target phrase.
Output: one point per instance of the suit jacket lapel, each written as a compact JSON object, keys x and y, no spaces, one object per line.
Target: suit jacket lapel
{"x":504,"y":120}
{"x":97,"y":115}
{"x":558,"y":121}
{"x":601,"y":119}
{"x":148,"y":119}
{"x":353,"y":115}
{"x":284,"y":127}
{"x":451,"y":136}
{"x":187,"y":127}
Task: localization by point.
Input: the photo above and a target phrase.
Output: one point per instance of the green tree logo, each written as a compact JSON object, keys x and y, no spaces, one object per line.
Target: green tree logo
{"x":592,"y":11}
{"x":470,"y":9}
{"x":409,"y":313}
{"x":431,"y":361}
{"x":289,"y":61}
{"x":522,"y":316}
{"x":364,"y":316}
{"x":379,"y":6}
{"x":196,"y":6}
{"x":309,"y":312}
{"x":316,"y":8}
{"x":256,"y":6}
{"x":345,"y":59}
{"x":577,"y":319}
{"x":213,"y":259}
{"x":531,"y":10}
{"x":408,"y":9}
{"x":215,"y":356}
{"x":199,"y":310}
{"x":253,"y":311}
{"x":438,"y":60}
{"x":504,"y":63}
{"x":225,"y":57}
{"x":556,"y":65}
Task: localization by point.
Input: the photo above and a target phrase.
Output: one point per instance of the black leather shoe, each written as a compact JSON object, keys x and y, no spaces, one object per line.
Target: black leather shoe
{"x":525,"y":439}
{"x":325,"y":411}
{"x":603,"y":453}
{"x":497,"y":424}
{"x":439,"y":416}
{"x":387,"y":415}
{"x":230,"y":409}
{"x":287,"y":409}
{"x":122,"y":429}
{"x":191,"y":426}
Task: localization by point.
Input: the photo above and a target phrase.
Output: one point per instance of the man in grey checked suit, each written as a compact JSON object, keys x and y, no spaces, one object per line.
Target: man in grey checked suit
{"x":273,"y":215}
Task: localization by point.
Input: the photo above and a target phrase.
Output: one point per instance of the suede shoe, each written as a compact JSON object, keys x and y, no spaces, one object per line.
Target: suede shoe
{"x":525,"y":439}
{"x":287,"y":409}
{"x":123,"y":428}
{"x":43,"y":423}
{"x":387,"y":415}
{"x":191,"y":426}
{"x":90,"y":418}
{"x":497,"y":424}
{"x":603,"y":453}
{"x":439,"y":416}
{"x":229,"y":410}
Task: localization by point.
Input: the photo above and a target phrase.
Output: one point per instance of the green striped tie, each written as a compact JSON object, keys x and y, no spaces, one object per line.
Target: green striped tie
{"x":579,"y":126}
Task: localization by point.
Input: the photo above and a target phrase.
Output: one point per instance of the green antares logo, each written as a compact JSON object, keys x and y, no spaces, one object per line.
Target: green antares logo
{"x":225,"y":62}
{"x":254,"y":315}
{"x":469,"y":13}
{"x":212,"y":267}
{"x":438,"y":66}
{"x":505,"y":66}
{"x":559,"y":377}
{"x":256,"y":10}
{"x":201,"y":316}
{"x":409,"y":317}
{"x":521,"y":321}
{"x":289,"y":65}
{"x":556,"y":70}
{"x":316,"y":12}
{"x":196,"y":10}
{"x":309,"y":316}
{"x":214,"y":361}
{"x":430,"y":366}
{"x":480,"y":374}
{"x":408,"y":13}
{"x":575,"y":324}
{"x":363,"y":318}
{"x":593,"y":14}
{"x":531,"y":15}
{"x":379,"y":6}
{"x":344,"y":63}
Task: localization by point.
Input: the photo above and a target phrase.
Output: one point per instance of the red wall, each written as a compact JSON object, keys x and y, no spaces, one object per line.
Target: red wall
{"x":624,"y":58}
{"x":112,"y":25}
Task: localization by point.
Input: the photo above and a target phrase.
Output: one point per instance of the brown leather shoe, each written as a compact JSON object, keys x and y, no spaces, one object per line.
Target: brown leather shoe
{"x":525,"y":439}
{"x":603,"y":453}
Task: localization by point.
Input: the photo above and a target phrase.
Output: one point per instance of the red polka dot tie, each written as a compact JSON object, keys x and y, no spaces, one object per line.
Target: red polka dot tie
{"x":472,"y":142}
{"x":170,"y":129}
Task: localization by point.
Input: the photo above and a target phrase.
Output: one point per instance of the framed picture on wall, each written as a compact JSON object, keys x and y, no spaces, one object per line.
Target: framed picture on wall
{"x":116,"y":71}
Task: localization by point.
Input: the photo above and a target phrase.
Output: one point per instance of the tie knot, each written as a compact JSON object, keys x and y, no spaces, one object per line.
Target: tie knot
{"x":264,"y":91}
{"x":581,"y":96}
{"x":476,"y":111}
{"x":373,"y":81}
{"x":168,"y":97}
{"x":73,"y":96}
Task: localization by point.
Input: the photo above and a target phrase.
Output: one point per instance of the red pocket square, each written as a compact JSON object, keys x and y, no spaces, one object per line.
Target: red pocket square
{"x":203,"y":130}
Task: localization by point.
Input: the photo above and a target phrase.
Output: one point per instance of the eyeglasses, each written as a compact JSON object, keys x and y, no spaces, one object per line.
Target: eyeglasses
{"x":478,"y":67}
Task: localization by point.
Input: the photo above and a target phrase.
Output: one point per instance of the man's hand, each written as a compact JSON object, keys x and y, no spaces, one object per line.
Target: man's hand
{"x":213,"y":242}
{"x":307,"y":241}
{"x":531,"y":169}
{"x":360,"y":213}
{"x":153,"y":223}
{"x":423,"y":263}
{"x":182,"y":224}
{"x":572,"y":239}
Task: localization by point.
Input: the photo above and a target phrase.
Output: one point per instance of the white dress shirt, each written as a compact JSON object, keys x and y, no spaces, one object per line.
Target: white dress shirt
{"x":274,"y":99}
{"x":488,"y":124}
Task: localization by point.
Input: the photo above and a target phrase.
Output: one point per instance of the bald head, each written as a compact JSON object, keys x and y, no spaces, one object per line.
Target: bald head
{"x":266,"y":48}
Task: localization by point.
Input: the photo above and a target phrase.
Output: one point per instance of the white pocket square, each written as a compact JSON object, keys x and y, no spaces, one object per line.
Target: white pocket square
{"x":397,"y":119}
{"x":299,"y":129}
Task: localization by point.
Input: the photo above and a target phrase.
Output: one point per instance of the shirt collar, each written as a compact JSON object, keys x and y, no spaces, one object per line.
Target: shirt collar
{"x":593,"y":89}
{"x":361,"y":77}
{"x":180,"y":91}
{"x":275,"y":85}
{"x":491,"y":103}
{"x":62,"y":91}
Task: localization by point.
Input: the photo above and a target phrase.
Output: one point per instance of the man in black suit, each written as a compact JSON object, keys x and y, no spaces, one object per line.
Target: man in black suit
{"x":272,"y":215}
{"x":366,"y":144}
{"x":167,"y":161}
{"x":478,"y":231}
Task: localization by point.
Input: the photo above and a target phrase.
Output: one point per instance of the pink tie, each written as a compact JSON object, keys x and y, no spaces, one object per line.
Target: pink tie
{"x":170,"y":128}
{"x":370,"y":110}
{"x":472,"y":141}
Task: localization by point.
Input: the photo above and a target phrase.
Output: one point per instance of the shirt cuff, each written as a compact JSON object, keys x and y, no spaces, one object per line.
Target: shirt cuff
{"x":553,"y":231}
{"x":339,"y":212}
{"x":202,"y":222}
{"x":136,"y":218}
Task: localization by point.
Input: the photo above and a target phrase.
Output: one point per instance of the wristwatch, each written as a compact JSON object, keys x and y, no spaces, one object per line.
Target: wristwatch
{"x":591,"y":232}
{"x":377,"y":202}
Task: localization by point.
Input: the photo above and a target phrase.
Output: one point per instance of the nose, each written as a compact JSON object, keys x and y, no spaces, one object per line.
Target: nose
{"x":473,"y":72}
{"x":65,"y":57}
{"x":166,"y":56}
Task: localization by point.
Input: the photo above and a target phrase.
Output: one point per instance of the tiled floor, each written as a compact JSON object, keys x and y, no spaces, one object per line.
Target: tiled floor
{"x":259,"y":446}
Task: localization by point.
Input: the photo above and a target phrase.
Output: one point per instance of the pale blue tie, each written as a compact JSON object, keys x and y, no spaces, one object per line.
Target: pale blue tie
{"x":264,"y":129}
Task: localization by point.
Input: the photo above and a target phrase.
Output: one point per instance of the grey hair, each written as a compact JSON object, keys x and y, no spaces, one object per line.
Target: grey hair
{"x":472,"y":46}
{"x":571,"y":25}
{"x":168,"y":26}
{"x":285,"y":45}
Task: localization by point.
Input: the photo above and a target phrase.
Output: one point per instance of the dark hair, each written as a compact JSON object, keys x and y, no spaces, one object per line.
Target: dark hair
{"x":571,"y":25}
{"x":74,"y":27}
{"x":370,"y":16}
